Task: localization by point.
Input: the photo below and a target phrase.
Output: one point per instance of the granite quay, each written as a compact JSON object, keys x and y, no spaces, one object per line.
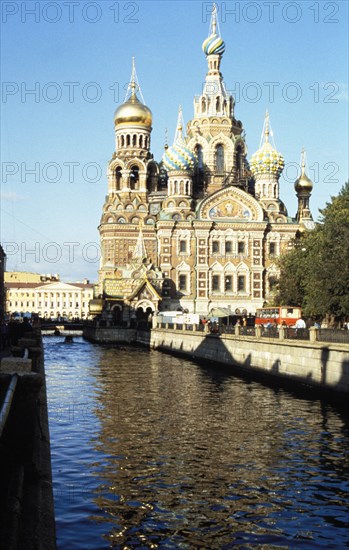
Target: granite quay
{"x":311,"y":358}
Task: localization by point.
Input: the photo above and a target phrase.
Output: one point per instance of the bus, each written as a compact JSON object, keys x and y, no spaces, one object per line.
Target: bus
{"x":283,"y":315}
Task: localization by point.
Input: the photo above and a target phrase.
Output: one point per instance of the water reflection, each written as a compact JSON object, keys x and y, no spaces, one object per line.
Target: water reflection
{"x":174,"y":455}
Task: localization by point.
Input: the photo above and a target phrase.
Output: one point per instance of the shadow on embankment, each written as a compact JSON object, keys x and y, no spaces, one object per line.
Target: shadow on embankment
{"x":213,"y":352}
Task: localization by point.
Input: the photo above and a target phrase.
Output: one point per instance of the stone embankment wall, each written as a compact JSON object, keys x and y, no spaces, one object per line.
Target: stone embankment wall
{"x":110,"y":335}
{"x":317,"y":364}
{"x":321,"y":365}
{"x":26,"y":496}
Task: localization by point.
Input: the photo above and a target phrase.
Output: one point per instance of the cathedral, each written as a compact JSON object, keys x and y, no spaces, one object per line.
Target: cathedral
{"x":203,"y":228}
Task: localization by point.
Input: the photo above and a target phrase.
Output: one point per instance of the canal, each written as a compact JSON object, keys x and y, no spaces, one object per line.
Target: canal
{"x":154,"y":451}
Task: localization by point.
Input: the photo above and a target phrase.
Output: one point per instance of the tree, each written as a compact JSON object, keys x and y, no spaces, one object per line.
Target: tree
{"x":293,"y":266}
{"x":327,"y":285}
{"x":315,"y":273}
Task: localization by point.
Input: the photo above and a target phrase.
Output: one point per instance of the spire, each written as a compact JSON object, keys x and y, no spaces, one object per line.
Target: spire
{"x":266,"y":129}
{"x":267,"y":132}
{"x":303,"y":161}
{"x":140,"y":252}
{"x":133,"y":86}
{"x":179,"y":128}
{"x":213,"y":23}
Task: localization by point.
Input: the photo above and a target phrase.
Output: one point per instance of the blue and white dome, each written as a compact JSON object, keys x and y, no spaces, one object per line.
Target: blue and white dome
{"x":178,"y":157}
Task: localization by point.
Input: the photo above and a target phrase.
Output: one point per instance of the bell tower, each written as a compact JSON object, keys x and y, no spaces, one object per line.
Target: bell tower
{"x":214,"y":135}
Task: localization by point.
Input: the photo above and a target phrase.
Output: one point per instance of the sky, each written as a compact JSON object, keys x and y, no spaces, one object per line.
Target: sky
{"x":65,"y":70}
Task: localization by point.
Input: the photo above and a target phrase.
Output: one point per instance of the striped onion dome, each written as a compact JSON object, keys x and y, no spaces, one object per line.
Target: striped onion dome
{"x":214,"y":44}
{"x":267,"y":160}
{"x":178,"y":156}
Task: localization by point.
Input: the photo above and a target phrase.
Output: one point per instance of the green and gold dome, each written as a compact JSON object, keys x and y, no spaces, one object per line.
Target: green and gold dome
{"x":267,"y":160}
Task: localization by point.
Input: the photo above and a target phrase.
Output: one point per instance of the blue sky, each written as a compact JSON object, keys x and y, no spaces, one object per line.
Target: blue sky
{"x":288,"y":57}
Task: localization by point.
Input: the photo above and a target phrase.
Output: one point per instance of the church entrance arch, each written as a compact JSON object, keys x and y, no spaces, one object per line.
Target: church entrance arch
{"x":116,"y":311}
{"x":145,"y":306}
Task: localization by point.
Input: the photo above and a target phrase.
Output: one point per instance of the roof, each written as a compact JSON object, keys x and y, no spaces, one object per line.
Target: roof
{"x":55,"y":285}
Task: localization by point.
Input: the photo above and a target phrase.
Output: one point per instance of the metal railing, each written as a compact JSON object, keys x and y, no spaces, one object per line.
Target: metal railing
{"x":336,"y":336}
{"x":333,"y":335}
{"x":271,"y":332}
{"x":292,"y":333}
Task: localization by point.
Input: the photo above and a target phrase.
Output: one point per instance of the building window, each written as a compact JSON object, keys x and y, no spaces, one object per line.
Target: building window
{"x":215,"y":247}
{"x":199,"y":156}
{"x":182,"y":246}
{"x":183,"y":282}
{"x":273,"y":283}
{"x":241,"y":247}
{"x":219,"y":158}
{"x":215,"y":283}
{"x":134,"y":177}
{"x":228,"y":247}
{"x":272,"y":249}
{"x":241,"y":283}
{"x":228,"y":283}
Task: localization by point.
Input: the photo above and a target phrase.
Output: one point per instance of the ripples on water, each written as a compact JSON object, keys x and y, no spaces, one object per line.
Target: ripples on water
{"x":153,"y":451}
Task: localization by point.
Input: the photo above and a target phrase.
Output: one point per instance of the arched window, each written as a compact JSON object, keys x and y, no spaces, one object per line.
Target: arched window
{"x":128,"y":140}
{"x":239,"y":161}
{"x":134,"y":177}
{"x":141,"y":141}
{"x":118,"y":178}
{"x":151,"y":178}
{"x":219,"y":158}
{"x":134,"y":140}
{"x":200,"y":156}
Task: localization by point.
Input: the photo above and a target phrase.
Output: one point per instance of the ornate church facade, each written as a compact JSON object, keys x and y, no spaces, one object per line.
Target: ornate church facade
{"x":203,"y":228}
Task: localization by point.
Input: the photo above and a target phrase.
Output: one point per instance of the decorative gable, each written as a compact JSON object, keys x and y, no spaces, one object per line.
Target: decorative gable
{"x":230,"y":204}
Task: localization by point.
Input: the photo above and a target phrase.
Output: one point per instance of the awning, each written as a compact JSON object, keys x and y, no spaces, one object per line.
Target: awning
{"x":220,"y":312}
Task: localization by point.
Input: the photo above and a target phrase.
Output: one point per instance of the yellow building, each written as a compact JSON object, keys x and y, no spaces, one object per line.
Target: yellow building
{"x":204,"y":227}
{"x":46,"y":296}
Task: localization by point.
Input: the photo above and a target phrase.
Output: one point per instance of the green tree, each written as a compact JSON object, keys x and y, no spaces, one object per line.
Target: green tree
{"x":327,"y":284}
{"x":315,"y":273}
{"x":293,"y":266}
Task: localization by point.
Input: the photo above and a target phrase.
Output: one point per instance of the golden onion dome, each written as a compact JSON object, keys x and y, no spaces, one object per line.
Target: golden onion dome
{"x":303,"y":183}
{"x":133,"y":113}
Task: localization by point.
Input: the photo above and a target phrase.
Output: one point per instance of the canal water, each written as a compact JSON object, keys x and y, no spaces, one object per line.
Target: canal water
{"x":154,"y":451}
